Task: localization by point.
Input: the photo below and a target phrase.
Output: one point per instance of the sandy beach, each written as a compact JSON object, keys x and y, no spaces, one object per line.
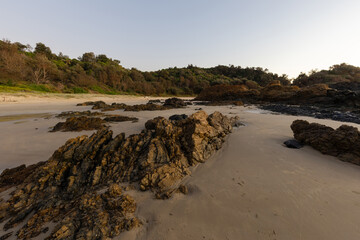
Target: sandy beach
{"x":253,"y":188}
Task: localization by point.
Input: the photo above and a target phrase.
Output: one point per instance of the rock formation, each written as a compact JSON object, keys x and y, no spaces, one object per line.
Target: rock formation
{"x":317,"y":94}
{"x":224,"y":92}
{"x":175,"y":103}
{"x":150,"y":106}
{"x":78,"y":188}
{"x":79,"y":114}
{"x":119,"y":118}
{"x":76,"y":124}
{"x":146,"y":107}
{"x":344,"y":142}
{"x":337,"y":114}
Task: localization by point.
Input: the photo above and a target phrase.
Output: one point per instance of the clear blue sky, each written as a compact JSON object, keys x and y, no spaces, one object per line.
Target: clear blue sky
{"x":285,"y":36}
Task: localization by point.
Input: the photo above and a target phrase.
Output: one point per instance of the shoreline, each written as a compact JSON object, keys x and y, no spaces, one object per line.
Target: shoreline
{"x":252,"y":188}
{"x":19,"y":97}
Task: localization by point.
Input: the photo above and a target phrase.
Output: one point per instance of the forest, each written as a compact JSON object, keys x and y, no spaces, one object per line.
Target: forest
{"x":24,"y":68}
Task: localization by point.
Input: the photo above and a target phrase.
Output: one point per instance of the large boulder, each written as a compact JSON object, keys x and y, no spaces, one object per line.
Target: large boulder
{"x":343,"y":142}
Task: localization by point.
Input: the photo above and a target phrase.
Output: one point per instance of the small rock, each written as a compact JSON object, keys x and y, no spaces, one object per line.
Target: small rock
{"x":293,"y":144}
{"x":183,"y":189}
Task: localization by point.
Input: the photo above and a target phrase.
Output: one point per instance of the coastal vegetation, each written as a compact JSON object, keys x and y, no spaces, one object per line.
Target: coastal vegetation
{"x":337,"y":74}
{"x":38,"y":69}
{"x":27,"y":69}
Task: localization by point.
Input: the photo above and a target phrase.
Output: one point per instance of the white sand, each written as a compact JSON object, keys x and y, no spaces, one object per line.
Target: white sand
{"x":253,"y":188}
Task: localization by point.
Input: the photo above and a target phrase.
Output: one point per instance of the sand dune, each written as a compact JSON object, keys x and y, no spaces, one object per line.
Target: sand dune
{"x":253,"y":188}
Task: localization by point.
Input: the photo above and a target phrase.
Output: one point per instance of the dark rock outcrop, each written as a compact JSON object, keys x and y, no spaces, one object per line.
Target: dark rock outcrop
{"x":320,"y":95}
{"x":150,"y":106}
{"x":334,"y":113}
{"x":66,"y":189}
{"x":224,"y":92}
{"x":344,"y":142}
{"x":15,"y":176}
{"x":119,"y":118}
{"x":91,"y":103}
{"x":354,"y":86}
{"x":154,"y":101}
{"x":106,"y":107}
{"x":146,"y":107}
{"x":76,"y":124}
{"x":79,"y":114}
{"x":220,"y":103}
{"x":175,"y":103}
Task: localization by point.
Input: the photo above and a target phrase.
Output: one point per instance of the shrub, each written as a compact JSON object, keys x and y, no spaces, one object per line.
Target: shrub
{"x":79,"y":90}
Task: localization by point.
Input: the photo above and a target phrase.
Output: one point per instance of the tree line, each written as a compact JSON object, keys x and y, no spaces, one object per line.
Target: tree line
{"x":22,"y":64}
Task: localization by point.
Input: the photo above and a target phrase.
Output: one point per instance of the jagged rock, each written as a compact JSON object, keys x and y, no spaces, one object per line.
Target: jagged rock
{"x":119,"y":118}
{"x":79,"y":114}
{"x":76,"y":124}
{"x":150,"y":106}
{"x":106,"y":107}
{"x":145,"y":107}
{"x":154,"y":101}
{"x":344,"y":142}
{"x":17,"y":175}
{"x":178,"y":117}
{"x":90,"y":103}
{"x":65,"y":189}
{"x":337,"y":114}
{"x":118,"y":106}
{"x":221,"y":103}
{"x":6,"y":236}
{"x":293,"y":144}
{"x":175,"y":103}
{"x":317,"y":94}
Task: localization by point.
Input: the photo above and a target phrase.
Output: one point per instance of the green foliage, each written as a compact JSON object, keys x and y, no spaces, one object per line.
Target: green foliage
{"x":26,"y":88}
{"x":79,"y":90}
{"x":10,"y":83}
{"x":99,"y":73}
{"x":341,"y":73}
{"x":39,"y":88}
{"x":98,"y":89}
{"x":43,"y":50}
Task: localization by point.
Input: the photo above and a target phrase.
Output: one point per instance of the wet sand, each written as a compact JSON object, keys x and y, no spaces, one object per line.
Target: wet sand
{"x":253,"y":188}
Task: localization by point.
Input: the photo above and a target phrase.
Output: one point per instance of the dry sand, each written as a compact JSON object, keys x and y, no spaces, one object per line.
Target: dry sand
{"x":253,"y":188}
